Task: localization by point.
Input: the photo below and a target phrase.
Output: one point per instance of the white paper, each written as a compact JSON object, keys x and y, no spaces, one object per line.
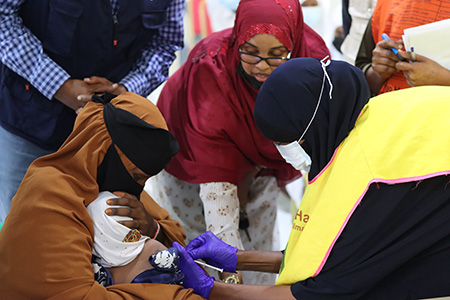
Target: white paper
{"x":430,"y":40}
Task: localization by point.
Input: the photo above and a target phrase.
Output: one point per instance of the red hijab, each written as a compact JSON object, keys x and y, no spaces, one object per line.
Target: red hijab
{"x":209,"y":107}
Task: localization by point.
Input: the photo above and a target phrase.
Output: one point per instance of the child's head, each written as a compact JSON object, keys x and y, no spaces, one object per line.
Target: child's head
{"x":124,"y":255}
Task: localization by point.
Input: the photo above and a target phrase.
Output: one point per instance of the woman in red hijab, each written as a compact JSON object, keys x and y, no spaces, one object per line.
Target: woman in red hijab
{"x":227,"y":176}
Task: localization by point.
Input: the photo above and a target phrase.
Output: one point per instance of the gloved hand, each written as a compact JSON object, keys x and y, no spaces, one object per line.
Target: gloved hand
{"x":213,"y":251}
{"x":194,"y":277}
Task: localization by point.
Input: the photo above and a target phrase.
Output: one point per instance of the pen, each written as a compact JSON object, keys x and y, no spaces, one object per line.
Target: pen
{"x":208,"y":266}
{"x":413,"y":54}
{"x":384,"y":36}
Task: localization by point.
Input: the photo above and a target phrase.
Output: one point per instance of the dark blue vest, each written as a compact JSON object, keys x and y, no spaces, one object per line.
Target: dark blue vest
{"x":79,"y":35}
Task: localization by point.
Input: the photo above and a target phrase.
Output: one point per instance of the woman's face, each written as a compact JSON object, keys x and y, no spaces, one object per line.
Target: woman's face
{"x":265,"y":46}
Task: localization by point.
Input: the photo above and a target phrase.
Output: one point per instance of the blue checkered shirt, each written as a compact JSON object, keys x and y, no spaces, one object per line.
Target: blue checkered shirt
{"x":22,"y":52}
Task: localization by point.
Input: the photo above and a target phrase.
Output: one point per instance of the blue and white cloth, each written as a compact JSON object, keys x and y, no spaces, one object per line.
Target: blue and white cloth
{"x":22,"y":52}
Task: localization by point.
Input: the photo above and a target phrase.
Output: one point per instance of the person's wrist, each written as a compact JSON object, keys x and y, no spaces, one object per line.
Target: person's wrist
{"x":232,"y":278}
{"x":207,"y":286}
{"x":232,"y":260}
{"x":233,"y":252}
{"x":121,"y":89}
{"x":158,"y":229}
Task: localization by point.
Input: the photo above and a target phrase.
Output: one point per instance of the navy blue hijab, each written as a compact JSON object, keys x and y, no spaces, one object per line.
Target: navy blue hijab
{"x":288,"y":99}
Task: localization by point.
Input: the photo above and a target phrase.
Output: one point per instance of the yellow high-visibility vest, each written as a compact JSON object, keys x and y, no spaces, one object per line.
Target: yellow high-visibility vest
{"x":400,"y":136}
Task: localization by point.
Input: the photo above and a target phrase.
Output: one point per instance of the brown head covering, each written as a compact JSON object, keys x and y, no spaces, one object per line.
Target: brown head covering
{"x":46,"y":241}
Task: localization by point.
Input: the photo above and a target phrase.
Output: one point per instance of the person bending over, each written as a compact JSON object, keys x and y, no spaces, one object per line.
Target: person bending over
{"x":373,"y":222}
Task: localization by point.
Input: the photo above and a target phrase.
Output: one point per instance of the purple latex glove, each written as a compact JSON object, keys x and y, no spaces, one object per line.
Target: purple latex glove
{"x":213,"y":251}
{"x":194,"y":277}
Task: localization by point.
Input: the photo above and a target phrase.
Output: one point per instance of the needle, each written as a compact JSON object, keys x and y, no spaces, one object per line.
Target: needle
{"x":208,"y":266}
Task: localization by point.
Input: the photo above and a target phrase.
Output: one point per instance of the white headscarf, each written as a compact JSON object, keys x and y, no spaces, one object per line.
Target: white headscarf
{"x":114,"y":244}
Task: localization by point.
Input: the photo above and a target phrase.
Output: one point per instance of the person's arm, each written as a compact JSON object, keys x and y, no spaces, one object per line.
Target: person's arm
{"x":364,"y":56}
{"x":152,"y":68}
{"x":222,"y":202}
{"x":260,"y":261}
{"x":171,"y":231}
{"x":216,"y":290}
{"x":221,"y":206}
{"x":22,"y":52}
{"x":223,"y":291}
{"x":364,"y":60}
{"x":54,"y":258}
{"x":218,"y":253}
{"x":150,"y":218}
{"x":377,"y":61}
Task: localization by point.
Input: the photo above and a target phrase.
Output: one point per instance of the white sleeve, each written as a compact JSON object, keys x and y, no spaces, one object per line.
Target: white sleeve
{"x":221,"y":206}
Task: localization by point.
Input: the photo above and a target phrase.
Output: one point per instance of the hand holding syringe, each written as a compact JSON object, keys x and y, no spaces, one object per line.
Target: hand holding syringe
{"x":208,"y":266}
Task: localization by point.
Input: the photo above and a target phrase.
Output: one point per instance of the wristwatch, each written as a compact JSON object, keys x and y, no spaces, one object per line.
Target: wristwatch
{"x":233,"y":278}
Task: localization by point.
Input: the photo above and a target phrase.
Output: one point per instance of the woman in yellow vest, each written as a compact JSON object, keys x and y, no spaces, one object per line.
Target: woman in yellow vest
{"x":374,"y":219}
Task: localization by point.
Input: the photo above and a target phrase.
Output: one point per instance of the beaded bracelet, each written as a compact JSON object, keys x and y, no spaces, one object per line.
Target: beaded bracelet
{"x":158,"y":228}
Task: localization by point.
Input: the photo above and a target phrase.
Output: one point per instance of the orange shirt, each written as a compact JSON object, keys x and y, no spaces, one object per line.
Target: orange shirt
{"x":393,"y":16}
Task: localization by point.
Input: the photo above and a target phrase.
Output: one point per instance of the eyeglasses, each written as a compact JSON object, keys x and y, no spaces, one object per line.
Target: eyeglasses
{"x":253,"y":59}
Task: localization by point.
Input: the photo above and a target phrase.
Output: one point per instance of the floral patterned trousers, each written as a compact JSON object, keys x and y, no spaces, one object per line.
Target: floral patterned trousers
{"x":215,"y":207}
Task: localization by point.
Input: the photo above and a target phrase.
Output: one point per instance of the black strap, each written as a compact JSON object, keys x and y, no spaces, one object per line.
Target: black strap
{"x":103,"y":98}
